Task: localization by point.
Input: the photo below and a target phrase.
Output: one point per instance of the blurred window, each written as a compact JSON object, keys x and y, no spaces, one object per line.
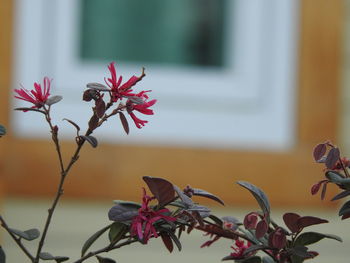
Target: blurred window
{"x":185,"y":32}
{"x":223,"y":71}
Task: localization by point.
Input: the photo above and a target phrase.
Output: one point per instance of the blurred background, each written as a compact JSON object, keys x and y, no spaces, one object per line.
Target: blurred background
{"x":245,"y":90}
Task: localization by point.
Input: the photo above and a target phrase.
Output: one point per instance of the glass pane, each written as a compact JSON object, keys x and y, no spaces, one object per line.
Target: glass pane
{"x":185,"y":32}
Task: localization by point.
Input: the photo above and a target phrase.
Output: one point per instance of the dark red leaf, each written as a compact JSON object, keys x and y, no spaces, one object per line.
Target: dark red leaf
{"x":319,"y":151}
{"x":100,"y":107}
{"x":324,"y":190}
{"x":162,"y":189}
{"x":167,"y":241}
{"x":124,"y":122}
{"x":206,"y":194}
{"x":332,"y":158}
{"x":306,"y":221}
{"x":316,"y":187}
{"x":250,"y":221}
{"x":278,"y":239}
{"x":345,"y":216}
{"x":291,"y":221}
{"x":93,"y":122}
{"x":261,"y":229}
{"x":90,"y":94}
{"x":73,"y":123}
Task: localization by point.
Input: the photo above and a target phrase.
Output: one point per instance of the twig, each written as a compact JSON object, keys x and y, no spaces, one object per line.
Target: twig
{"x":16,"y":239}
{"x":105,"y":249}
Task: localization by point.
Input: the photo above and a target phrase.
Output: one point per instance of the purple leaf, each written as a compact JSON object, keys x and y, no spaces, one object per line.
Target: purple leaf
{"x":184,"y":198}
{"x":162,"y":189}
{"x":319,"y":151}
{"x":306,"y":221}
{"x":261,"y":229}
{"x":124,"y":122}
{"x":341,"y":195}
{"x":324,"y":190}
{"x":332,"y":158}
{"x":260,"y":196}
{"x":167,"y":241}
{"x":291,"y":221}
{"x":206,"y":194}
{"x":122,"y":213}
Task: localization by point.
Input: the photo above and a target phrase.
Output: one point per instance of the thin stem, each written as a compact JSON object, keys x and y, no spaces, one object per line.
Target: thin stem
{"x":105,"y":249}
{"x":64,"y":173}
{"x":59,"y":193}
{"x":344,"y":168}
{"x":16,"y":239}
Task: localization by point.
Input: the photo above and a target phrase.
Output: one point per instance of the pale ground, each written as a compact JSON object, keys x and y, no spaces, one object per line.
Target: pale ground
{"x":75,"y":221}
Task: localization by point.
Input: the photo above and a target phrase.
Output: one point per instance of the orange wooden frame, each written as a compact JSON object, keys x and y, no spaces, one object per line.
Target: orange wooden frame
{"x":114,"y":171}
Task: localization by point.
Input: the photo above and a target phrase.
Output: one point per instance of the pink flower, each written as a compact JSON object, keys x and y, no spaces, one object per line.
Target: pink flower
{"x":142,"y":224}
{"x":239,"y":248}
{"x":37,"y":96}
{"x":119,"y":91}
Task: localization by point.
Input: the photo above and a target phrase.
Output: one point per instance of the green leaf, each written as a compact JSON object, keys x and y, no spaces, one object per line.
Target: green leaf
{"x":29,"y":234}
{"x":122,"y":213}
{"x":260,"y":197}
{"x":92,"y":239}
{"x":48,"y":256}
{"x":337,"y":178}
{"x":127,"y":204}
{"x":2,"y":255}
{"x":267,"y":259}
{"x":90,"y":139}
{"x":97,"y":86}
{"x":117,"y":231}
{"x":345,"y":208}
{"x":309,"y":238}
{"x":341,"y":195}
{"x":2,"y":130}
{"x":105,"y":260}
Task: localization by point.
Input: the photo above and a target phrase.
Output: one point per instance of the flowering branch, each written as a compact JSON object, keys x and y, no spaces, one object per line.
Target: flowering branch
{"x":16,"y":239}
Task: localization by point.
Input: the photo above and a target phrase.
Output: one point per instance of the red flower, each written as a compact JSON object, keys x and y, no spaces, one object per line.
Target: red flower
{"x":142,"y":224}
{"x":239,"y":247}
{"x":37,"y":96}
{"x":141,"y":106}
{"x":117,"y":91}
